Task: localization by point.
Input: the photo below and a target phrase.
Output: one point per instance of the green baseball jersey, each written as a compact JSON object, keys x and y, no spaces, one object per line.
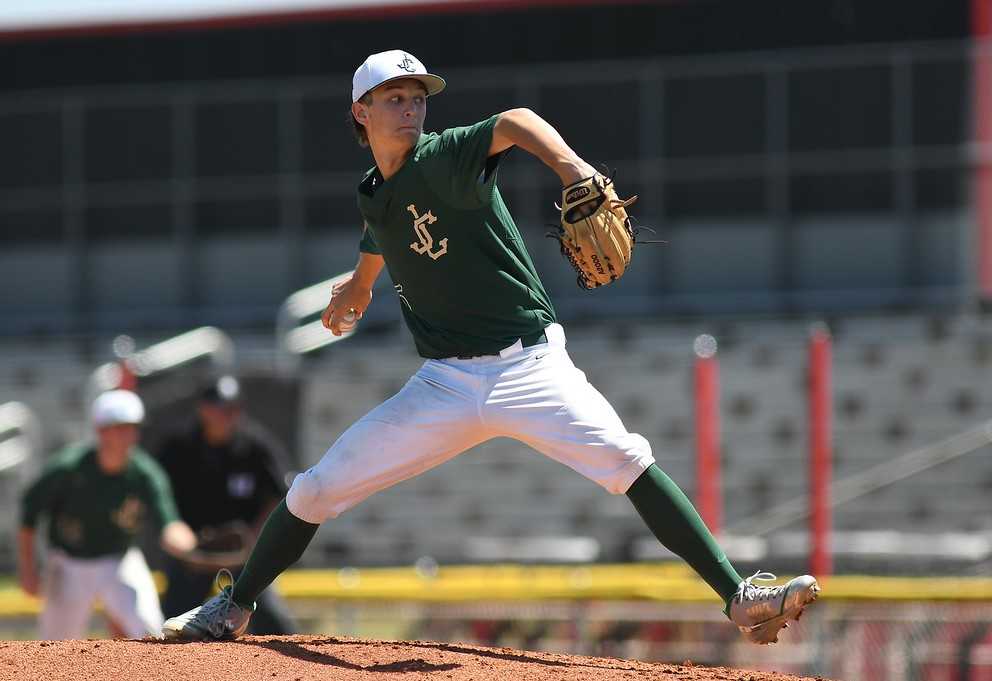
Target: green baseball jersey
{"x":92,"y":513}
{"x":466,"y":283}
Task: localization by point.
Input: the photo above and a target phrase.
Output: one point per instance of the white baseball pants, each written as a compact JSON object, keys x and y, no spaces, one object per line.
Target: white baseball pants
{"x":123,"y":584}
{"x":535,"y":395}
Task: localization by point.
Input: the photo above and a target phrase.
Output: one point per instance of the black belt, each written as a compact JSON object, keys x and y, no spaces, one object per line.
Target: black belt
{"x":525,"y":341}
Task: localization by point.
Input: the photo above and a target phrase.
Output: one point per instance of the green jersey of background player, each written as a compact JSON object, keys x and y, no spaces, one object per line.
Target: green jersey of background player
{"x":97,"y":497}
{"x":477,"y":309}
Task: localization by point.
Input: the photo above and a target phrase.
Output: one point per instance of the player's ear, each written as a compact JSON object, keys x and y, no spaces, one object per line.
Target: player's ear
{"x":360,"y":112}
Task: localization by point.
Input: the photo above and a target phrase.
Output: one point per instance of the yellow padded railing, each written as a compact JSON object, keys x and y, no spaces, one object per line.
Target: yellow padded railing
{"x":658,"y":582}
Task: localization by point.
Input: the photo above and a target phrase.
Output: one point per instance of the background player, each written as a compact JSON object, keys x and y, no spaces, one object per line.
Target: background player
{"x":496,"y":363}
{"x":96,"y":496}
{"x":223,"y":469}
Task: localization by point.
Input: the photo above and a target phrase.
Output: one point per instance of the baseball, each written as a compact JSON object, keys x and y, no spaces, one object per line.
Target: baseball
{"x":348,"y":320}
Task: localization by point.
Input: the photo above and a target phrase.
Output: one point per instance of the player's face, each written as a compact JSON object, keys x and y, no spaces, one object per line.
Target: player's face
{"x":397,"y":112}
{"x":115,"y":443}
{"x":219,"y":421}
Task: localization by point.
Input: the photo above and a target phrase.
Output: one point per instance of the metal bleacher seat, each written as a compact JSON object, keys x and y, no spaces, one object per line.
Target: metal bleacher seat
{"x":899,"y":384}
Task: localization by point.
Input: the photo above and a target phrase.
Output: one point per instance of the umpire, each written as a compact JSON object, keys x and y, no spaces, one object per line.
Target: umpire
{"x":225,"y":472}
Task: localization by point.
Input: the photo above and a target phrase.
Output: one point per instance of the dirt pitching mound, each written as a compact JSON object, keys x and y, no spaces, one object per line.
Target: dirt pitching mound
{"x":307,"y":658}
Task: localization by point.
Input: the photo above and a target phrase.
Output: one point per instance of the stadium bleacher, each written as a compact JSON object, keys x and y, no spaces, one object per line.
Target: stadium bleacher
{"x":900,"y":383}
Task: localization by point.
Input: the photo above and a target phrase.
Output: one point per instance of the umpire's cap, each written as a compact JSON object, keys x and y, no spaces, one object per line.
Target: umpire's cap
{"x":225,"y":390}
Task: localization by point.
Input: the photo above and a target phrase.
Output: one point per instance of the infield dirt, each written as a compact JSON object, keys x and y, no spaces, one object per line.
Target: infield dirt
{"x":307,"y":658}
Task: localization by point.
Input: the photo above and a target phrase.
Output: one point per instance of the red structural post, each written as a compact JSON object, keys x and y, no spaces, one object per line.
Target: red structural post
{"x":128,"y":379}
{"x":707,"y":397}
{"x":981,"y":31}
{"x":821,"y":450}
{"x":123,"y":347}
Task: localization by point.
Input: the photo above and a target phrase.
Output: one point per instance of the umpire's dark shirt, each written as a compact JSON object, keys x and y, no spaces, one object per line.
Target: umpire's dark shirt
{"x":217,"y":485}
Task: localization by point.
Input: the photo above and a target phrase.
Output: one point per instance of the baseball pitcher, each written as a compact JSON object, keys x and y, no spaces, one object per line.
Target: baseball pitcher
{"x":496,"y":363}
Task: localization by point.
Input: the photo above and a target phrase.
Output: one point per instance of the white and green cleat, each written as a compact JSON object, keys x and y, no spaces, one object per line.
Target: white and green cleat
{"x":220,"y":618}
{"x":760,"y":612}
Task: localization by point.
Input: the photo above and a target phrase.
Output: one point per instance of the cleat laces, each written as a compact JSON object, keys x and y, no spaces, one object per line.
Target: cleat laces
{"x":752,"y":593}
{"x":214,"y":612}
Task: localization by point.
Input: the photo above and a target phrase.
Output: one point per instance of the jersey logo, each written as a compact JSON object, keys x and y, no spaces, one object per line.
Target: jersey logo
{"x":407,"y":64}
{"x":128,"y":516}
{"x":241,"y":485}
{"x":426,"y":242}
{"x":70,"y":530}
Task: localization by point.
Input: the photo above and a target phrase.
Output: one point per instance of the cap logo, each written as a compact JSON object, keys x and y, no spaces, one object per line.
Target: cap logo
{"x":407,"y":64}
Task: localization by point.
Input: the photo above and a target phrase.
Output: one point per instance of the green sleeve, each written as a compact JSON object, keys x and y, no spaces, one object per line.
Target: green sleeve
{"x":368,"y":244}
{"x":463,"y":162}
{"x":160,"y":498}
{"x":37,"y":499}
{"x":40,"y":497}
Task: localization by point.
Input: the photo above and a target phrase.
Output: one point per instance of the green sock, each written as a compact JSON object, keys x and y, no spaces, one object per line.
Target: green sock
{"x":674,"y":521}
{"x":281,"y":543}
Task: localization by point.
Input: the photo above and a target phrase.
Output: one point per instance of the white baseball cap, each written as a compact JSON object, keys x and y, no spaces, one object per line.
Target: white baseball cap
{"x":117,"y":406}
{"x":391,"y":65}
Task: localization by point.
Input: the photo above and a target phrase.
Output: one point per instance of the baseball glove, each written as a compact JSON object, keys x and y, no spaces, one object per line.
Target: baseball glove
{"x":595,"y":232}
{"x":223,"y":546}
